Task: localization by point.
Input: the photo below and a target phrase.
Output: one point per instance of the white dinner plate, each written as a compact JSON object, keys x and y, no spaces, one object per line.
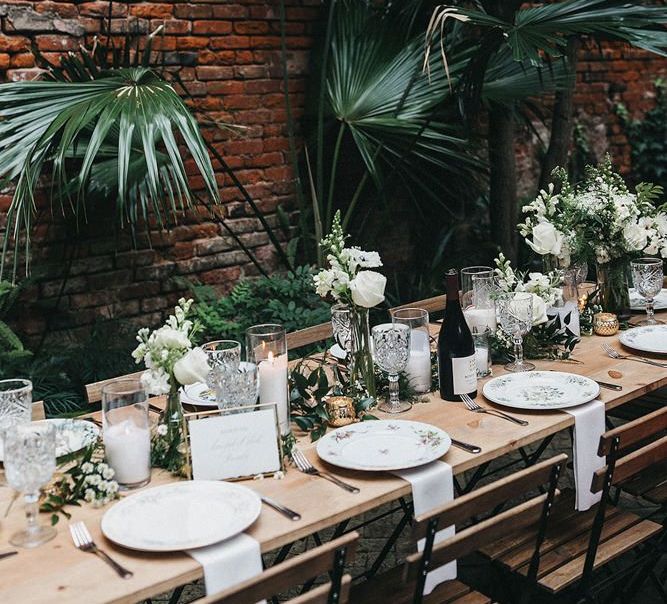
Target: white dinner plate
{"x":72,"y":435}
{"x":383,"y":445}
{"x":541,"y":390}
{"x":181,"y":515}
{"x":337,"y":352}
{"x":639,"y":303}
{"x":647,"y":338}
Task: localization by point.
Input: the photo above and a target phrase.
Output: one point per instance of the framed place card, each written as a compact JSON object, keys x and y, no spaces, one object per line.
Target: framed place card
{"x":236,"y":443}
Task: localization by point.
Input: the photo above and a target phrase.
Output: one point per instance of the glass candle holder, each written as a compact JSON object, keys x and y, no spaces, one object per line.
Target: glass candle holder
{"x":15,"y":403}
{"x":467,"y":284}
{"x":482,"y":353}
{"x":418,"y":368}
{"x":126,"y":430}
{"x":224,"y":357}
{"x":266,"y":347}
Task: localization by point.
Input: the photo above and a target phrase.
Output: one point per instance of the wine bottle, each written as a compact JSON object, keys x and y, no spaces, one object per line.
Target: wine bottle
{"x":457,"y":368}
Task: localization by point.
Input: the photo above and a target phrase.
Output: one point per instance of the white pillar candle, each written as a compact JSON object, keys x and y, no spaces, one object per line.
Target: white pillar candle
{"x":418,"y":369}
{"x":273,"y":387}
{"x":480,"y":319}
{"x":482,"y":360}
{"x":128,"y":451}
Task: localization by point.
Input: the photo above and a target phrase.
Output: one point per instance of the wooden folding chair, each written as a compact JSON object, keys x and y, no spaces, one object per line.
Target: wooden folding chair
{"x":94,"y":390}
{"x":328,"y":558}
{"x":403,"y":585}
{"x":579,"y":543}
{"x":37,"y":411}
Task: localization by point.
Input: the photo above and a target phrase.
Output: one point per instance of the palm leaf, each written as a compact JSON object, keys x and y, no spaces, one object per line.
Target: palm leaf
{"x":120,"y":134}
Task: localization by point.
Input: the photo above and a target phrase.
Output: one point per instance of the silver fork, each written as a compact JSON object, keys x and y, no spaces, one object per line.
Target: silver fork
{"x":84,"y":541}
{"x":473,"y":406}
{"x":614,"y":354}
{"x":306,"y":467}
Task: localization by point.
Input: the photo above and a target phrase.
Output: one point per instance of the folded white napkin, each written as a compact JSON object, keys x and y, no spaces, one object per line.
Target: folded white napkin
{"x":432,"y":486}
{"x":589,"y":426}
{"x":229,"y":562}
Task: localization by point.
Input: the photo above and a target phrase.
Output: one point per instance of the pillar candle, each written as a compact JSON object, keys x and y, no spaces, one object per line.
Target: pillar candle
{"x":418,"y":368}
{"x":273,"y":387}
{"x":480,"y":319}
{"x":128,"y":451}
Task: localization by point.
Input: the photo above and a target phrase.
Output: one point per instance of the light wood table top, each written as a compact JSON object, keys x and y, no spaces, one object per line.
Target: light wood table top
{"x":57,"y":572}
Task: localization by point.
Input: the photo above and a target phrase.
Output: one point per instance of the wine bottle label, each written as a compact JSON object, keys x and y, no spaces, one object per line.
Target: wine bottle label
{"x":464,"y":374}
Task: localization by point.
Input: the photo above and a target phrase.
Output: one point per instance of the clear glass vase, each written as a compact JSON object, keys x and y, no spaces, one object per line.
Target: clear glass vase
{"x":362,"y":372}
{"x":173,"y":419}
{"x":612,"y":281}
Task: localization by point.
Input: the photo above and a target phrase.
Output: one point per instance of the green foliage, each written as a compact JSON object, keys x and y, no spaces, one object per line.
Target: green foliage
{"x":286,"y":299}
{"x":648,"y":139}
{"x":12,"y":352}
{"x":546,"y":341}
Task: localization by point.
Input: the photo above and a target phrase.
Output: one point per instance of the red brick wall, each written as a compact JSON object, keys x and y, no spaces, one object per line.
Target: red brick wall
{"x":229,"y":57}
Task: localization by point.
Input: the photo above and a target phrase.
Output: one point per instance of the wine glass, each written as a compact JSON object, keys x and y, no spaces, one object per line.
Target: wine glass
{"x":392,"y":349}
{"x":30,"y":460}
{"x":224,"y":357}
{"x":647,"y":278}
{"x":515,"y":311}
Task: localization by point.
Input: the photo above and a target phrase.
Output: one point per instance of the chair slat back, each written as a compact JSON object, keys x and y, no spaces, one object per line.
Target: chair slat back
{"x":292,"y":572}
{"x":320,"y":595}
{"x":94,"y":390}
{"x":309,"y":335}
{"x":432,"y":305}
{"x":634,"y":432}
{"x":481,"y":502}
{"x":37,"y":411}
{"x":632,"y":464}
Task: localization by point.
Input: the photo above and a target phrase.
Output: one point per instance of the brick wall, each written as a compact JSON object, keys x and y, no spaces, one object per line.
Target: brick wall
{"x":228,"y":54}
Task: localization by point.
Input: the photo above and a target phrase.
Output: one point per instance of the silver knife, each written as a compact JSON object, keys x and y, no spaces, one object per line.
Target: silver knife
{"x":285,"y":511}
{"x":609,"y":386}
{"x":466,"y":447}
{"x":7,"y":554}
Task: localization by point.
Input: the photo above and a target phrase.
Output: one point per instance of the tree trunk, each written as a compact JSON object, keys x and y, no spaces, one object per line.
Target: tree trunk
{"x":562,"y":120}
{"x":503,"y":209}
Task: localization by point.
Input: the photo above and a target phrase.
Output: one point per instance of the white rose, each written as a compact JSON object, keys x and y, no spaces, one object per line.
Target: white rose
{"x":368,"y":288}
{"x":193,"y":367}
{"x":635,"y":236}
{"x":168,"y":337}
{"x":546,"y":239}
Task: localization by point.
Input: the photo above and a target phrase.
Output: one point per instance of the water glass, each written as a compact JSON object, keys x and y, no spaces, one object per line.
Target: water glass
{"x":647,"y":278}
{"x":242,"y":387}
{"x":515,"y":311}
{"x":15,"y":403}
{"x":392,"y":348}
{"x":480,"y":314}
{"x":30,"y":461}
{"x":482,"y":353}
{"x":340,"y":323}
{"x":222,"y":355}
{"x":266,"y":347}
{"x":418,"y":368}
{"x":573,"y":277}
{"x":468,"y":274}
{"x":126,"y":432}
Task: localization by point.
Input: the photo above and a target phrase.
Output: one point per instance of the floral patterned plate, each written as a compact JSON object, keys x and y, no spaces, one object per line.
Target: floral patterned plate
{"x":383,"y":445}
{"x":181,"y":515}
{"x":541,"y":390}
{"x":648,"y":338}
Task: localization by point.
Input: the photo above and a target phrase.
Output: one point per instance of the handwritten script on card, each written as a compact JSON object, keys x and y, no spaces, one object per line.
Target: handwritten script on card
{"x":236,"y":445}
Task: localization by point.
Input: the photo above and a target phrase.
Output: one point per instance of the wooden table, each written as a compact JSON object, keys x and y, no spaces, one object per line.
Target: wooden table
{"x":57,"y":572}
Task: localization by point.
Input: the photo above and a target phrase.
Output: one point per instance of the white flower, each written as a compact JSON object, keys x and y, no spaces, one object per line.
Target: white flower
{"x":539,"y":310}
{"x":360,"y":259}
{"x":193,"y":367}
{"x":635,"y":236}
{"x":93,"y":480}
{"x":367,"y":288}
{"x":546,"y":239}
{"x":155,"y":381}
{"x":162,"y":429}
{"x":89,"y":495}
{"x":87,"y":467}
{"x":323,"y":282}
{"x":168,"y":337}
{"x":108,"y":474}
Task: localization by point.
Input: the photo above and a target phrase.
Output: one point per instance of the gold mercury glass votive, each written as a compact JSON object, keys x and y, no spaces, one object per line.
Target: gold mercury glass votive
{"x":605,"y":324}
{"x":341,"y":411}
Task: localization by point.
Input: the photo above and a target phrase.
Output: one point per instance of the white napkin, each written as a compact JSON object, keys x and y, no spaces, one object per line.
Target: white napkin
{"x":432,"y":486}
{"x":589,"y":426}
{"x":229,"y":562}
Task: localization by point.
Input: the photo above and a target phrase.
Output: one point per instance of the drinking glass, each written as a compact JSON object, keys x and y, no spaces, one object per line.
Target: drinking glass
{"x":418,"y":368}
{"x":30,"y":460}
{"x":515,"y":311}
{"x":15,"y":403}
{"x":480,"y":313}
{"x":242,"y":387}
{"x":573,"y":277}
{"x":647,"y":278}
{"x":392,"y":349}
{"x":126,"y":432}
{"x":468,"y":274}
{"x":340,"y":322}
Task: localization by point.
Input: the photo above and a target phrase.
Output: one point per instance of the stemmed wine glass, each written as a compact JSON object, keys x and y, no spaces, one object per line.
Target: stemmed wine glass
{"x":391,"y":351}
{"x":515,"y":311}
{"x":647,"y":278}
{"x":30,"y":461}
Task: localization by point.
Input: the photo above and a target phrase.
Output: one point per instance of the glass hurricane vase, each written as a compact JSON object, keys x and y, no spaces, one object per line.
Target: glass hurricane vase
{"x":361,"y":359}
{"x":612,"y":281}
{"x":173,"y":419}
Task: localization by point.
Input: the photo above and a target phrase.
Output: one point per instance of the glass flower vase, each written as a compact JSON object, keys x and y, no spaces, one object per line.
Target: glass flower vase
{"x":362,"y":373}
{"x":173,"y":420}
{"x":612,"y":282}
